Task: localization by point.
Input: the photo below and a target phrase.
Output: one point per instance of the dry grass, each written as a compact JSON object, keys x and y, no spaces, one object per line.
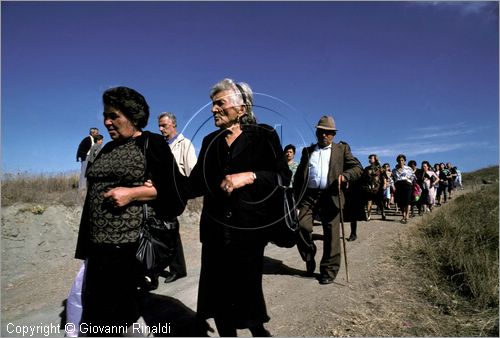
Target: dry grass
{"x":41,"y":189}
{"x":455,"y":251}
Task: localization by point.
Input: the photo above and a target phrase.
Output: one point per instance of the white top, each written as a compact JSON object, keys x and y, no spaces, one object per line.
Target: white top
{"x":319,"y":165}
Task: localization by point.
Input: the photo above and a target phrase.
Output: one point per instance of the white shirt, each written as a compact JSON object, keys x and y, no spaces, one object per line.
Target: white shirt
{"x":319,"y":165}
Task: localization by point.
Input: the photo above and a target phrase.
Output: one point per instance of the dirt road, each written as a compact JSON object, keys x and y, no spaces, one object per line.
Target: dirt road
{"x":38,"y":269}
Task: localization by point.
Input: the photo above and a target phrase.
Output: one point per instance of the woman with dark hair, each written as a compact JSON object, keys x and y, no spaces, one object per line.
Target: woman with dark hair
{"x":416,"y":200}
{"x":373,"y":185}
{"x":289,"y":152}
{"x":403,"y":177}
{"x":236,"y":173}
{"x":113,"y":211}
{"x":429,"y":183}
{"x":388,"y":186}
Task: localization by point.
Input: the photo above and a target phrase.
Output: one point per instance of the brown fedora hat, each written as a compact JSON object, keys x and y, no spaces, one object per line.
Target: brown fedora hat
{"x":327,"y":123}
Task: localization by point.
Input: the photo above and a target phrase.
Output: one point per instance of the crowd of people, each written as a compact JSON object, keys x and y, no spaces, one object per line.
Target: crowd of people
{"x":240,"y":165}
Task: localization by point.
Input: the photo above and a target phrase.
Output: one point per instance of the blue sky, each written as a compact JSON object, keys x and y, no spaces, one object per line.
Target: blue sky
{"x":419,"y":78}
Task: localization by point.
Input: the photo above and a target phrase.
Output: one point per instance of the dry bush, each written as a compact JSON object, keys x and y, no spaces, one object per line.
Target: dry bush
{"x":41,"y":189}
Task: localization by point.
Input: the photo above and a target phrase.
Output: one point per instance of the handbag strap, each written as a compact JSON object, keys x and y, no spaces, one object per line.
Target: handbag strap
{"x":280,"y":181}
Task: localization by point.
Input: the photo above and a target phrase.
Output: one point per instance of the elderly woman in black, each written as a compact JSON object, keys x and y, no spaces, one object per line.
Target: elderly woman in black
{"x":113,"y":211}
{"x":236,"y":173}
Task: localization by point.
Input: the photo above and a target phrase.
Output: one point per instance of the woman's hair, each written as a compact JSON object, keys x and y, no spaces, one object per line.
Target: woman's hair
{"x":128,"y":101}
{"x":243,"y":96}
{"x":400,"y":156}
{"x":98,"y":137}
{"x":377,"y":162}
{"x":426,"y":162}
{"x":412,"y":162}
{"x":289,"y":146}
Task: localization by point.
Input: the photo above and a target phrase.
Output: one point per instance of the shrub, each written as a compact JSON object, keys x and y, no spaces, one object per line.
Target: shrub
{"x":43,"y":189}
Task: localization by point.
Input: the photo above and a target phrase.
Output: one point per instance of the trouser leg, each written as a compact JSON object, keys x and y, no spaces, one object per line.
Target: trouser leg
{"x":354,"y":227}
{"x":331,"y":260}
{"x":178,"y":264}
{"x":305,"y":243}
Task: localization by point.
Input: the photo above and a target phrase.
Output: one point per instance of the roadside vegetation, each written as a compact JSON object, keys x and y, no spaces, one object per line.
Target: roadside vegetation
{"x":41,"y":189}
{"x":455,"y":252}
{"x":56,"y":189}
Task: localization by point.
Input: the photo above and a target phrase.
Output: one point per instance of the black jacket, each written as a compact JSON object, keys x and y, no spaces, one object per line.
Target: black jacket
{"x":83,"y":149}
{"x":246,"y":213}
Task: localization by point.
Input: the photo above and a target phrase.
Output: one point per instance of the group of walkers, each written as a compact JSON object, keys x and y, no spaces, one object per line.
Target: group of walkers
{"x":410,"y":188}
{"x":238,"y":170}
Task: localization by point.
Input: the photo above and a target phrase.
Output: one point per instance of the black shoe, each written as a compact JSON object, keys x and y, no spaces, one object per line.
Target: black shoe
{"x":172,"y":276}
{"x":352,"y":238}
{"x":325,"y":279}
{"x":148,"y":283}
{"x":310,"y":266}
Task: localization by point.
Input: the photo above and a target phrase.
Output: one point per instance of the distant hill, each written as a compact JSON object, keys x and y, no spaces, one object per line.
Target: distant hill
{"x":487,"y":175}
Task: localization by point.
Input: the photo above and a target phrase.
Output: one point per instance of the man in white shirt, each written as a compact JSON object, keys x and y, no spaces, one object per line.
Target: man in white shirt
{"x":184,"y":154}
{"x":323,"y":167}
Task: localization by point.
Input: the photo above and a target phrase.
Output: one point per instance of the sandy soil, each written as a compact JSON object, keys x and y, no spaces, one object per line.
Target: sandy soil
{"x":379,"y":300}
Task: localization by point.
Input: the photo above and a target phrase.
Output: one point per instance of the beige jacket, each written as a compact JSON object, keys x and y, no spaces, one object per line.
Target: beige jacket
{"x":183,"y":151}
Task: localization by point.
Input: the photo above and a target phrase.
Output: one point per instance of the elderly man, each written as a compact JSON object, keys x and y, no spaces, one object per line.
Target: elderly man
{"x":323,"y":167}
{"x":183,"y":151}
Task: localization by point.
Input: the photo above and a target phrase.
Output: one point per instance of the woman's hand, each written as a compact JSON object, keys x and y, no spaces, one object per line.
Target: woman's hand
{"x":236,"y":181}
{"x":122,"y":196}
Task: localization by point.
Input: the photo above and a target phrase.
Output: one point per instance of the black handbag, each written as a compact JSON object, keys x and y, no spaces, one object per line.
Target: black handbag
{"x":157,"y":238}
{"x":285,"y":231}
{"x":157,"y":242}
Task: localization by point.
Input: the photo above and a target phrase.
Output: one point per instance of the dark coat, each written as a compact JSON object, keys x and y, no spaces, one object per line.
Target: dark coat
{"x":83,"y":148}
{"x":238,"y":216}
{"x":342,"y":162}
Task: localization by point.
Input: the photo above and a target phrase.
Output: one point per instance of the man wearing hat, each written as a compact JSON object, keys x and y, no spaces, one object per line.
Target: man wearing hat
{"x":322,"y":167}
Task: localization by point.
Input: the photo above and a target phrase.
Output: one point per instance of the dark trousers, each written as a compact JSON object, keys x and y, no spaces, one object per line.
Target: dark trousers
{"x":316,"y":202}
{"x":178,"y":264}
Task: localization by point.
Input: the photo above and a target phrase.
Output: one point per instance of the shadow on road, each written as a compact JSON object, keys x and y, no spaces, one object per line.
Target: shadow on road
{"x":276,"y":267}
{"x":163,"y":311}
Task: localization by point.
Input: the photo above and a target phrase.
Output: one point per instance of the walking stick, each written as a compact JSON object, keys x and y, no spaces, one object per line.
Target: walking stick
{"x":341,"y":207}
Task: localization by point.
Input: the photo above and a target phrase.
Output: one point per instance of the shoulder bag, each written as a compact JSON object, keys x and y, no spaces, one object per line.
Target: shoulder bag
{"x":284,"y":232}
{"x":157,"y":239}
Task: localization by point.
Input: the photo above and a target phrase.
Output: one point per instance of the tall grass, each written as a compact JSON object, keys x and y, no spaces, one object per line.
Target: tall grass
{"x":457,"y":250}
{"x":41,"y":188}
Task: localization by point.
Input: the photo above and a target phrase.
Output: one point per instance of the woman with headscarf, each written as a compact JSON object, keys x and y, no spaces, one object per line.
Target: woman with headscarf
{"x":113,"y":211}
{"x":236,"y":173}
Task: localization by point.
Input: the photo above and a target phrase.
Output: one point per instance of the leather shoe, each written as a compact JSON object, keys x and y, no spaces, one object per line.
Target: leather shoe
{"x":310,"y":266}
{"x":149,"y":283}
{"x":325,"y":279}
{"x":352,"y":238}
{"x":172,"y":276}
